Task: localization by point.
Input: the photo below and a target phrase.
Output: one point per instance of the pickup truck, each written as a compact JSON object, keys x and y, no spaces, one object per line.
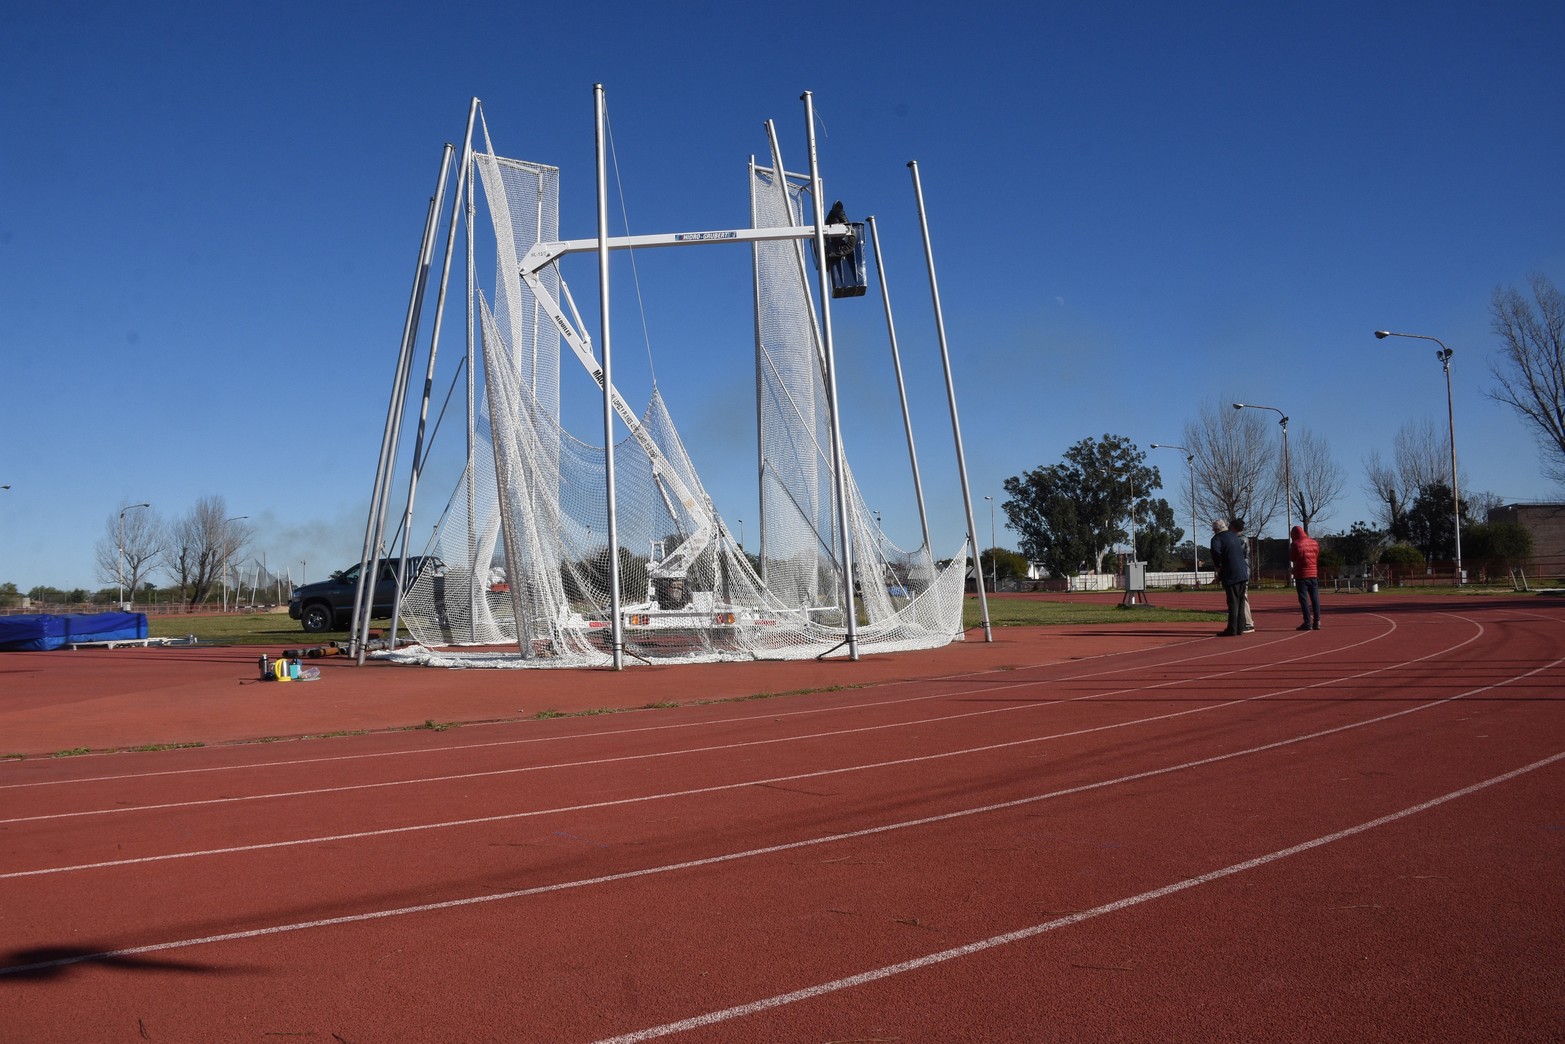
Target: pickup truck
{"x":327,"y":605}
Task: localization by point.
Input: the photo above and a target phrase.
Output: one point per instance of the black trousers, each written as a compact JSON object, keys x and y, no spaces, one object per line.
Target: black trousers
{"x":1236,"y":596}
{"x":1309,"y":600}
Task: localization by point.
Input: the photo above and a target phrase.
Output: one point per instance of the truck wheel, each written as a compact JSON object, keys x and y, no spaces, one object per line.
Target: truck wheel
{"x":316,"y":618}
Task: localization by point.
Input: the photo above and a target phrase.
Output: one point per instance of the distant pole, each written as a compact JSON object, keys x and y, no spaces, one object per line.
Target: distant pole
{"x":226,"y":542}
{"x":120,"y":563}
{"x":1444,"y":355}
{"x":1287,"y":481}
{"x":1195,"y":560}
{"x":994,"y":559}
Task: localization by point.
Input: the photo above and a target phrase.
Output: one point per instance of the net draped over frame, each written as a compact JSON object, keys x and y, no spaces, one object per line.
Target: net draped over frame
{"x":524,"y":541}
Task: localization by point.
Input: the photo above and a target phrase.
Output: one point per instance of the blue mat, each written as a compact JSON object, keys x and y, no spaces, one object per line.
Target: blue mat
{"x":44,"y":631}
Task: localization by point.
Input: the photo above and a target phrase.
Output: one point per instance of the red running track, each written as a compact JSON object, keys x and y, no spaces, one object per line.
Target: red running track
{"x":1352,"y":834}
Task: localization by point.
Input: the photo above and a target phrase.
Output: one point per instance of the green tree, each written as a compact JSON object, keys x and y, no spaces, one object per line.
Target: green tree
{"x":1157,"y":537}
{"x":1010,"y":565}
{"x":1404,"y":559}
{"x":1360,"y":546}
{"x":1430,"y":524}
{"x":1497,"y":545}
{"x":1070,"y":514}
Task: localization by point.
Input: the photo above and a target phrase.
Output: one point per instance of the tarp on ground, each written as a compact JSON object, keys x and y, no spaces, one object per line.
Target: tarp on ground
{"x":41,"y":631}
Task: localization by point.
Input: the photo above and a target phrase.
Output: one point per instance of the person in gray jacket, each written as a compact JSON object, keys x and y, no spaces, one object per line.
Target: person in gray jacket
{"x":1233,"y":572}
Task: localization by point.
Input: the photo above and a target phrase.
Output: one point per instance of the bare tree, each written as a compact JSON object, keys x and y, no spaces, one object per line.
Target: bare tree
{"x":1382,"y":484}
{"x":1531,"y":371}
{"x":1476,"y":504}
{"x":1238,"y":465}
{"x":1421,"y":458}
{"x":1317,"y":479}
{"x":200,"y":546}
{"x":130,"y":547}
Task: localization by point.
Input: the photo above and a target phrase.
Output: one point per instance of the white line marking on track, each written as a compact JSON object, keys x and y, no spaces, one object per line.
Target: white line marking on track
{"x":836,"y":707}
{"x":450,"y":904}
{"x":707,"y":750}
{"x":121,"y":809}
{"x":820,"y":989}
{"x":738,"y":719}
{"x":359,"y":835}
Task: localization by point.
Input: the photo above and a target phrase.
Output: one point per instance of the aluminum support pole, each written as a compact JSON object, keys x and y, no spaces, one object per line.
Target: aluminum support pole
{"x":838,"y":478}
{"x":896,"y":364}
{"x":375,"y":522}
{"x":617,"y":634}
{"x":956,"y":425}
{"x":417,"y":465}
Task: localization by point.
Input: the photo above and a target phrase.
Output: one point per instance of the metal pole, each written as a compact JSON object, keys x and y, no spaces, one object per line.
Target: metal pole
{"x":956,"y":426}
{"x":834,"y":418}
{"x":896,"y":363}
{"x":1456,"y":500}
{"x":760,"y":362}
{"x":1195,"y":550}
{"x":429,"y":371}
{"x":1287,"y":481}
{"x":616,"y":624}
{"x":994,"y":557}
{"x":472,"y":421}
{"x":374,"y":526}
{"x":1444,"y":355}
{"x":120,"y":562}
{"x":1195,"y":559}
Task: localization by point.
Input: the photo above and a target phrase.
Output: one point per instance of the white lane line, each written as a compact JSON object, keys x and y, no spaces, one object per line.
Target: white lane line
{"x":1011,"y":672}
{"x":450,"y":904}
{"x":717,"y":748}
{"x":737,"y":719}
{"x":792,"y":845}
{"x":820,"y":989}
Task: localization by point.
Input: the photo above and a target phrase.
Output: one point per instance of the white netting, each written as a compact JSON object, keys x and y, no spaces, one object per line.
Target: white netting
{"x":524,"y":538}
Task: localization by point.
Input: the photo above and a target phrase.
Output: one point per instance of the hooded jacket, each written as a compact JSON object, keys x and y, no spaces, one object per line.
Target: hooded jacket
{"x":1304,"y":553}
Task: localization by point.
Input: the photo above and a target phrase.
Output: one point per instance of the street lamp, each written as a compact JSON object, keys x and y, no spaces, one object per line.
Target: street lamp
{"x":120,"y":562}
{"x":1444,"y":355}
{"x":236,"y":518}
{"x":1287,"y":477}
{"x":994,"y":558}
{"x":1195,"y":559}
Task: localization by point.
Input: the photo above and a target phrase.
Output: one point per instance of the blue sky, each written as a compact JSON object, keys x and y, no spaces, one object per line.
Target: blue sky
{"x":209,"y":216}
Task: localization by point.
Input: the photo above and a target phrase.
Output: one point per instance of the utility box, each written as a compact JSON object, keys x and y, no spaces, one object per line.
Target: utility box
{"x":1135,"y":584}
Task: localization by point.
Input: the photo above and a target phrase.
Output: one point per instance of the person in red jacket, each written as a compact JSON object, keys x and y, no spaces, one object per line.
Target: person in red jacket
{"x":1304,"y":553}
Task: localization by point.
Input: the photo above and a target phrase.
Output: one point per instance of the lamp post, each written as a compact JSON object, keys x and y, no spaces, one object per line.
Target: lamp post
{"x":1444,"y":355}
{"x":1287,"y":478}
{"x":1195,"y":558}
{"x":120,"y":562}
{"x":994,"y":559}
{"x":236,"y":518}
{"x":741,"y":534}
